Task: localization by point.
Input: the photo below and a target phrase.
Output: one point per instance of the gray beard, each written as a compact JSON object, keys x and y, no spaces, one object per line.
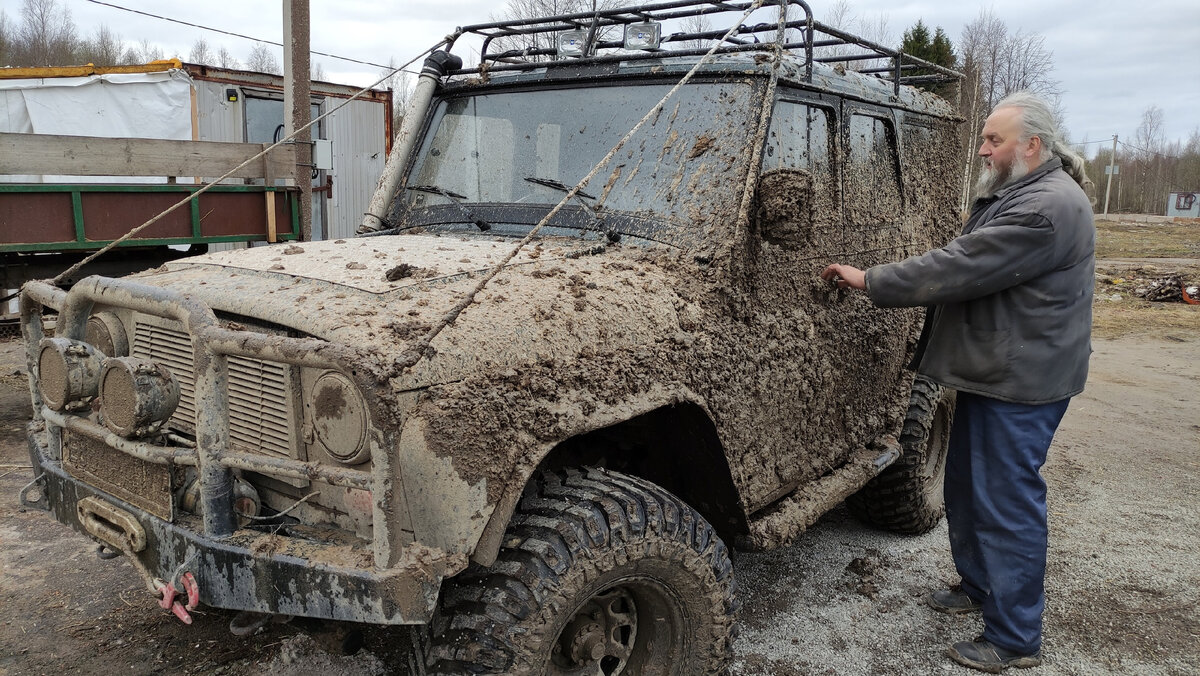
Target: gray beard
{"x":993,"y":180}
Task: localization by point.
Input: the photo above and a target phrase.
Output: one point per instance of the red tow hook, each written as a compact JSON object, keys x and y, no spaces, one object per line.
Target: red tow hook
{"x":168,"y":601}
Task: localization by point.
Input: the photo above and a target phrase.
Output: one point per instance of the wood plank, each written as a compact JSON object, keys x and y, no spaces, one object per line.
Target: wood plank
{"x":95,"y":156}
{"x":271,"y":232}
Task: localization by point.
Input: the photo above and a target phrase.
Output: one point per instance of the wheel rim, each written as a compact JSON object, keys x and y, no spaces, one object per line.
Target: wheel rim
{"x":628,"y":628}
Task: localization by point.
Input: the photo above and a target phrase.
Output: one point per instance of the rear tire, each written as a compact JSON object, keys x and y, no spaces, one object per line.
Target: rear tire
{"x":599,"y":573}
{"x":907,"y":496}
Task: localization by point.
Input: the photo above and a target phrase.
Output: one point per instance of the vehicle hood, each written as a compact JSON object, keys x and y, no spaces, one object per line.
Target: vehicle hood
{"x":383,"y":294}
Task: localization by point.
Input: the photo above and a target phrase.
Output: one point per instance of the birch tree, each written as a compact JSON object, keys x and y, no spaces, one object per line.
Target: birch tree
{"x":201,"y":53}
{"x":262,"y":60}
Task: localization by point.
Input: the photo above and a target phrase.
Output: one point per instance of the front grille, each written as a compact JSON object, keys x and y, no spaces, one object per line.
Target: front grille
{"x":259,"y":406}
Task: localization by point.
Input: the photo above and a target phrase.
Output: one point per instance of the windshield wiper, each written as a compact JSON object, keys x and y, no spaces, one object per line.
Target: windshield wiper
{"x":597,"y":219}
{"x":457,"y":199}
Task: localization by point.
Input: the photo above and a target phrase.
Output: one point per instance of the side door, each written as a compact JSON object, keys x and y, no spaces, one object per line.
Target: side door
{"x":876,"y":342}
{"x":873,"y":201}
{"x":796,"y":227}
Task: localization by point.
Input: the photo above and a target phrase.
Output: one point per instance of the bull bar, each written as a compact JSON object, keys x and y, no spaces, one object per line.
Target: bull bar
{"x":236,"y":569}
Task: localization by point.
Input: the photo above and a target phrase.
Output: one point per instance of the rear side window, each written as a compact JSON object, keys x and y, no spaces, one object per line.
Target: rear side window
{"x":872,"y":173}
{"x":801,"y":137}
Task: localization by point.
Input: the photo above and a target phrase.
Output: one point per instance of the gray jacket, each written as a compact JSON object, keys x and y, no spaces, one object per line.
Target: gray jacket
{"x":1011,"y":297}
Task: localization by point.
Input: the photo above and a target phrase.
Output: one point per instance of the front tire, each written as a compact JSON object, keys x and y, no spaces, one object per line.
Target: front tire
{"x":599,"y":573}
{"x":907,"y":497}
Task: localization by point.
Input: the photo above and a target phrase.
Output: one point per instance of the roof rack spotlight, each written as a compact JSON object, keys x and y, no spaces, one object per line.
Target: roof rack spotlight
{"x":645,"y":35}
{"x":572,"y":43}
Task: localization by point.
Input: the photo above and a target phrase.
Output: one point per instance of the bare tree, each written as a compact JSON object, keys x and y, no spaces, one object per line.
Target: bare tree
{"x":46,"y":35}
{"x":997,"y":62}
{"x":520,"y":45}
{"x":317,"y":72}
{"x":839,"y":16}
{"x":263,"y":60}
{"x":875,"y":29}
{"x":7,"y":40}
{"x":226,"y":60}
{"x":696,"y":24}
{"x":1149,"y":135}
{"x":399,"y":82}
{"x":1026,"y":66}
{"x":105,"y":48}
{"x":201,"y":53}
{"x":145,"y":52}
{"x":1189,"y":166}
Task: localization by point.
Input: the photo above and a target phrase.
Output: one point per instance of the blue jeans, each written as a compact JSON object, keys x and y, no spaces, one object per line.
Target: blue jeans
{"x":996,"y":510}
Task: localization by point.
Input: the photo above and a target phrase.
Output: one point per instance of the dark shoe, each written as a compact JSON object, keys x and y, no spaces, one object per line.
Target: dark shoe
{"x":952,"y":601}
{"x":982,"y":655}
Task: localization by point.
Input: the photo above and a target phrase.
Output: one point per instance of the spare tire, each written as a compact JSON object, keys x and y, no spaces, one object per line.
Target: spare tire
{"x":907,"y":496}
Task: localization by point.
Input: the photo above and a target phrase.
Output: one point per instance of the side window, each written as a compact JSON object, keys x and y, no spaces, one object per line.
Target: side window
{"x":799,"y":138}
{"x":872,"y":173}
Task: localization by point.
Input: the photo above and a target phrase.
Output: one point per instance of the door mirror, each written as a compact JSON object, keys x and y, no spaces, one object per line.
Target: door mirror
{"x":783,"y":204}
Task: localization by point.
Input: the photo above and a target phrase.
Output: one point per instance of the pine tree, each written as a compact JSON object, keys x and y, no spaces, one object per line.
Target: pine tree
{"x":936,"y":49}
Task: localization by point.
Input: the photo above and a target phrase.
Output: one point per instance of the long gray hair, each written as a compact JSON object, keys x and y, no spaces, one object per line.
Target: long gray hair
{"x":1037,"y":119}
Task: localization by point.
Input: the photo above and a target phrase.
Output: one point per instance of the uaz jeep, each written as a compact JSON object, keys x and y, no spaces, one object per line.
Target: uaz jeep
{"x":544,"y":451}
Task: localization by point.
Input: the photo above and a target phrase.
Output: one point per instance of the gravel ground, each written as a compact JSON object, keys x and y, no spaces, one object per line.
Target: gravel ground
{"x":1122,"y":579}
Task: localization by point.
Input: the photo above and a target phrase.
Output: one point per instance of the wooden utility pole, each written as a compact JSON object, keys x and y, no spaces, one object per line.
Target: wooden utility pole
{"x":297,"y":102}
{"x":1111,"y":163}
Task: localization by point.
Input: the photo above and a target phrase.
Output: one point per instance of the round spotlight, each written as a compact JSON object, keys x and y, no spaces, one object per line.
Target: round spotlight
{"x":107,"y":333}
{"x":339,"y":417}
{"x":68,"y":372}
{"x":136,"y":396}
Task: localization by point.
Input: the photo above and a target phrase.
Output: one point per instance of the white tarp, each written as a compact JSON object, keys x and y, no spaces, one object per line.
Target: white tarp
{"x":126,"y":105}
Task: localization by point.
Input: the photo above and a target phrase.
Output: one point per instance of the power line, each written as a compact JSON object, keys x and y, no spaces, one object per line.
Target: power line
{"x":236,"y":35}
{"x":1152,"y":152}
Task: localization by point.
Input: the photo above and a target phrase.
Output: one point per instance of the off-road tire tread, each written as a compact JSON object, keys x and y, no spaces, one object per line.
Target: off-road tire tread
{"x":896,"y":499}
{"x":567,"y":527}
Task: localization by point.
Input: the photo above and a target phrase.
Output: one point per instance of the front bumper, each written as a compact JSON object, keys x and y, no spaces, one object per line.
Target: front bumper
{"x":260,"y":572}
{"x":295,"y":569}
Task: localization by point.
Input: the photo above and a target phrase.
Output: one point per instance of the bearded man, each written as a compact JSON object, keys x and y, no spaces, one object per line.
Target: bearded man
{"x":1008,"y":326}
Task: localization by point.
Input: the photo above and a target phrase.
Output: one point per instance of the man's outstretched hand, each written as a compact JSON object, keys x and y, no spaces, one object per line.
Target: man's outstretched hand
{"x":845,"y":275}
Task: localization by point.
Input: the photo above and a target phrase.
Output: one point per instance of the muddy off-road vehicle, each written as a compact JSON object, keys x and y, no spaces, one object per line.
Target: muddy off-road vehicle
{"x":543,"y":457}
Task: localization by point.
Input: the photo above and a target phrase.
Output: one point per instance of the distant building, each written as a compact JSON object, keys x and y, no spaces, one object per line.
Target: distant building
{"x":1184,"y":204}
{"x":185,"y":101}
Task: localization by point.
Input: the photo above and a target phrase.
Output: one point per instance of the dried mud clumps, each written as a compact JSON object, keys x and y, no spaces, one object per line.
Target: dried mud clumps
{"x":792,"y":380}
{"x":796,"y":375}
{"x":783,"y":208}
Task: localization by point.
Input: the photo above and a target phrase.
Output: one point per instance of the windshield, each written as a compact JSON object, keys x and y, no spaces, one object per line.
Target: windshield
{"x":510,"y":155}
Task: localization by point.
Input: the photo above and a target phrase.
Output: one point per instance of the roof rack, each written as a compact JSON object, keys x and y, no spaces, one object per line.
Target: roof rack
{"x":805,"y":38}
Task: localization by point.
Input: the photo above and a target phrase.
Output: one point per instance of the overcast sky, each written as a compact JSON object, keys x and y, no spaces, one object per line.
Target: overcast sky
{"x":1113,"y":59}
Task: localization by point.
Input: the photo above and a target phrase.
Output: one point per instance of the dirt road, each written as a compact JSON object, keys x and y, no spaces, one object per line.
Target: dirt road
{"x":1123,"y":582}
